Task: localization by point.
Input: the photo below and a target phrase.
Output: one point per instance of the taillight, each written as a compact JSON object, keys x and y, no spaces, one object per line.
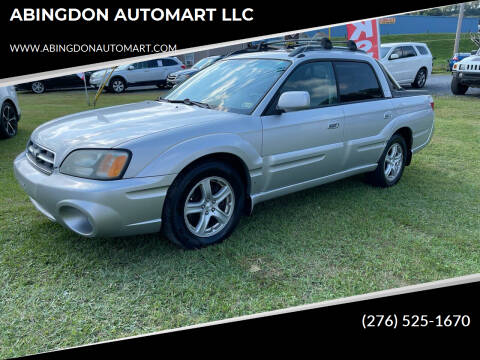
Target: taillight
{"x":432,"y":104}
{"x":183,"y":67}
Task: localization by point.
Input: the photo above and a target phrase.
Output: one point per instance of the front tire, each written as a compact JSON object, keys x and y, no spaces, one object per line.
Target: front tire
{"x":117,"y":85}
{"x":203,"y":205}
{"x":391,"y":164}
{"x":420,"y":79}
{"x":8,"y":121}
{"x":457,"y":87}
{"x":38,"y":87}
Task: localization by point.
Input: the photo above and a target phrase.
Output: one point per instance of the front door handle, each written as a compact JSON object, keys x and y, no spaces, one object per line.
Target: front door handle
{"x":333,"y":125}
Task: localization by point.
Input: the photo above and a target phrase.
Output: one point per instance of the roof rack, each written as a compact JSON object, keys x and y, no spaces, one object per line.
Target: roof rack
{"x":325,"y":43}
{"x":262,"y":46}
{"x":299,"y":46}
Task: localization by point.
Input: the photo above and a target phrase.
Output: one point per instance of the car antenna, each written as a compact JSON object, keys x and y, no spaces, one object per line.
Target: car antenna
{"x":104,"y":81}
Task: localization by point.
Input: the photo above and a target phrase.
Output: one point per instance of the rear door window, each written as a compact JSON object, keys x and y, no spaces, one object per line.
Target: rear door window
{"x":169,"y":62}
{"x":409,"y":51}
{"x":357,"y":81}
{"x":152,"y":63}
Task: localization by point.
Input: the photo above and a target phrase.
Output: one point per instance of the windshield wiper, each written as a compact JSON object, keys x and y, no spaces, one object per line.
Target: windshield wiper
{"x":186,"y":102}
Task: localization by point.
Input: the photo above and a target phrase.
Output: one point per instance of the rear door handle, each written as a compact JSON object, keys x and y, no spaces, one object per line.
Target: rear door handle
{"x":333,"y":125}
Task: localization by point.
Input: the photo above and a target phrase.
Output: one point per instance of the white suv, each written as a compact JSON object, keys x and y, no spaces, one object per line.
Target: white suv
{"x":409,"y":63}
{"x":150,"y":72}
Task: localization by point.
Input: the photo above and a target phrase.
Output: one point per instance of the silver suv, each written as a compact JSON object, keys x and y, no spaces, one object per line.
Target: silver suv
{"x":249,"y":128}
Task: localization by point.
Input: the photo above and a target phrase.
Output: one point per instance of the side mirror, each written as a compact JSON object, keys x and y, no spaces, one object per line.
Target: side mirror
{"x":473,"y":52}
{"x":394,"y":57}
{"x":293,"y":100}
{"x":131,"y":67}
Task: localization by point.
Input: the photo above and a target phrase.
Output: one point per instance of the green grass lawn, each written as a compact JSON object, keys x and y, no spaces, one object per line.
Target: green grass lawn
{"x":345,"y":238}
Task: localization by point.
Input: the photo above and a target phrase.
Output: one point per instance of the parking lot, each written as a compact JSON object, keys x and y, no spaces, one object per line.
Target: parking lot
{"x":439,"y":84}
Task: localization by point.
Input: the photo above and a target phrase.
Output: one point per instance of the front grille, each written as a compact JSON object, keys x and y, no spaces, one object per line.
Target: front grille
{"x":43,"y":159}
{"x":471,"y":75}
{"x":171,"y":77}
{"x":471,"y":67}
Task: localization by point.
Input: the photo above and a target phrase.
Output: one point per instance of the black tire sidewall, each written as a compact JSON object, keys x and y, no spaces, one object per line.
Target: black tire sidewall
{"x":395,"y":139}
{"x":415,"y":83}
{"x":377,"y":177}
{"x":457,"y":87}
{"x":3,"y":132}
{"x":173,"y":218}
{"x":40,"y":82}
{"x":111,"y":85}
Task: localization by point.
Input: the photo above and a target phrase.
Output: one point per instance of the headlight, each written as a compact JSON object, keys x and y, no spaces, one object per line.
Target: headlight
{"x":96,"y":164}
{"x":461,"y":67}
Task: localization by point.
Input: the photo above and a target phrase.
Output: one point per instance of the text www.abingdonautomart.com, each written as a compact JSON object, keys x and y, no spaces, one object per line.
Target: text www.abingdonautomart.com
{"x":146,"y":48}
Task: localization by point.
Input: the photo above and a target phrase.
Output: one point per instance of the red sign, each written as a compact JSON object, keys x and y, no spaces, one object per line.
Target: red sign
{"x":366,"y":35}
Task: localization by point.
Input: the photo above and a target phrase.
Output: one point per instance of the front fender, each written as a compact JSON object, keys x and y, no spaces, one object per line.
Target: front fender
{"x":177,"y":157}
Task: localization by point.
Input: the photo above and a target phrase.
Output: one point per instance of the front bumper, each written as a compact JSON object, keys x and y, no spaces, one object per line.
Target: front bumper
{"x":96,"y":82}
{"x":468,"y":78}
{"x":94,"y":208}
{"x":171,"y":82}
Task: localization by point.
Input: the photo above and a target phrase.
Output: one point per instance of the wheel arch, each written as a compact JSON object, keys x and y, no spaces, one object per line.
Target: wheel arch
{"x":118,"y":76}
{"x":229,"y":158}
{"x":407,"y":134}
{"x":15,"y":106}
{"x":424,"y":67}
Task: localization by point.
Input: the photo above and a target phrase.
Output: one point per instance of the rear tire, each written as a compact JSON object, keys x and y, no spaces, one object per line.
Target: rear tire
{"x":391,"y":164}
{"x":420,"y":79}
{"x":457,"y":87}
{"x":203,"y":205}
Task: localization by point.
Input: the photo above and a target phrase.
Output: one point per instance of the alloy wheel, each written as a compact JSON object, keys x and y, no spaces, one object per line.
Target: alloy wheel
{"x":9,"y":120}
{"x":209,"y":206}
{"x":421,"y":78}
{"x":393,"y":162}
{"x":118,"y":86}
{"x":38,"y":87}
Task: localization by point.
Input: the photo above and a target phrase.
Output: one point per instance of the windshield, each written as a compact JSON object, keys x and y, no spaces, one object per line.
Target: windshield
{"x":235,"y":85}
{"x":384,"y":51}
{"x":204,"y":63}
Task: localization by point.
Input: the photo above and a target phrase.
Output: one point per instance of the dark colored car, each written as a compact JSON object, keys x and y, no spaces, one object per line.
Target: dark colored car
{"x":456,"y":58}
{"x":61,"y":82}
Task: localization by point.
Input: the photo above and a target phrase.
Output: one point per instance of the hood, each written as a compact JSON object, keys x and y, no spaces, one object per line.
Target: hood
{"x":475,"y":59}
{"x":98,"y":73}
{"x":110,"y":127}
{"x":185,"y":72}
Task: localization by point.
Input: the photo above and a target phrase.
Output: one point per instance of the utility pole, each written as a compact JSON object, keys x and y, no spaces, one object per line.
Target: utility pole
{"x":459,"y":28}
